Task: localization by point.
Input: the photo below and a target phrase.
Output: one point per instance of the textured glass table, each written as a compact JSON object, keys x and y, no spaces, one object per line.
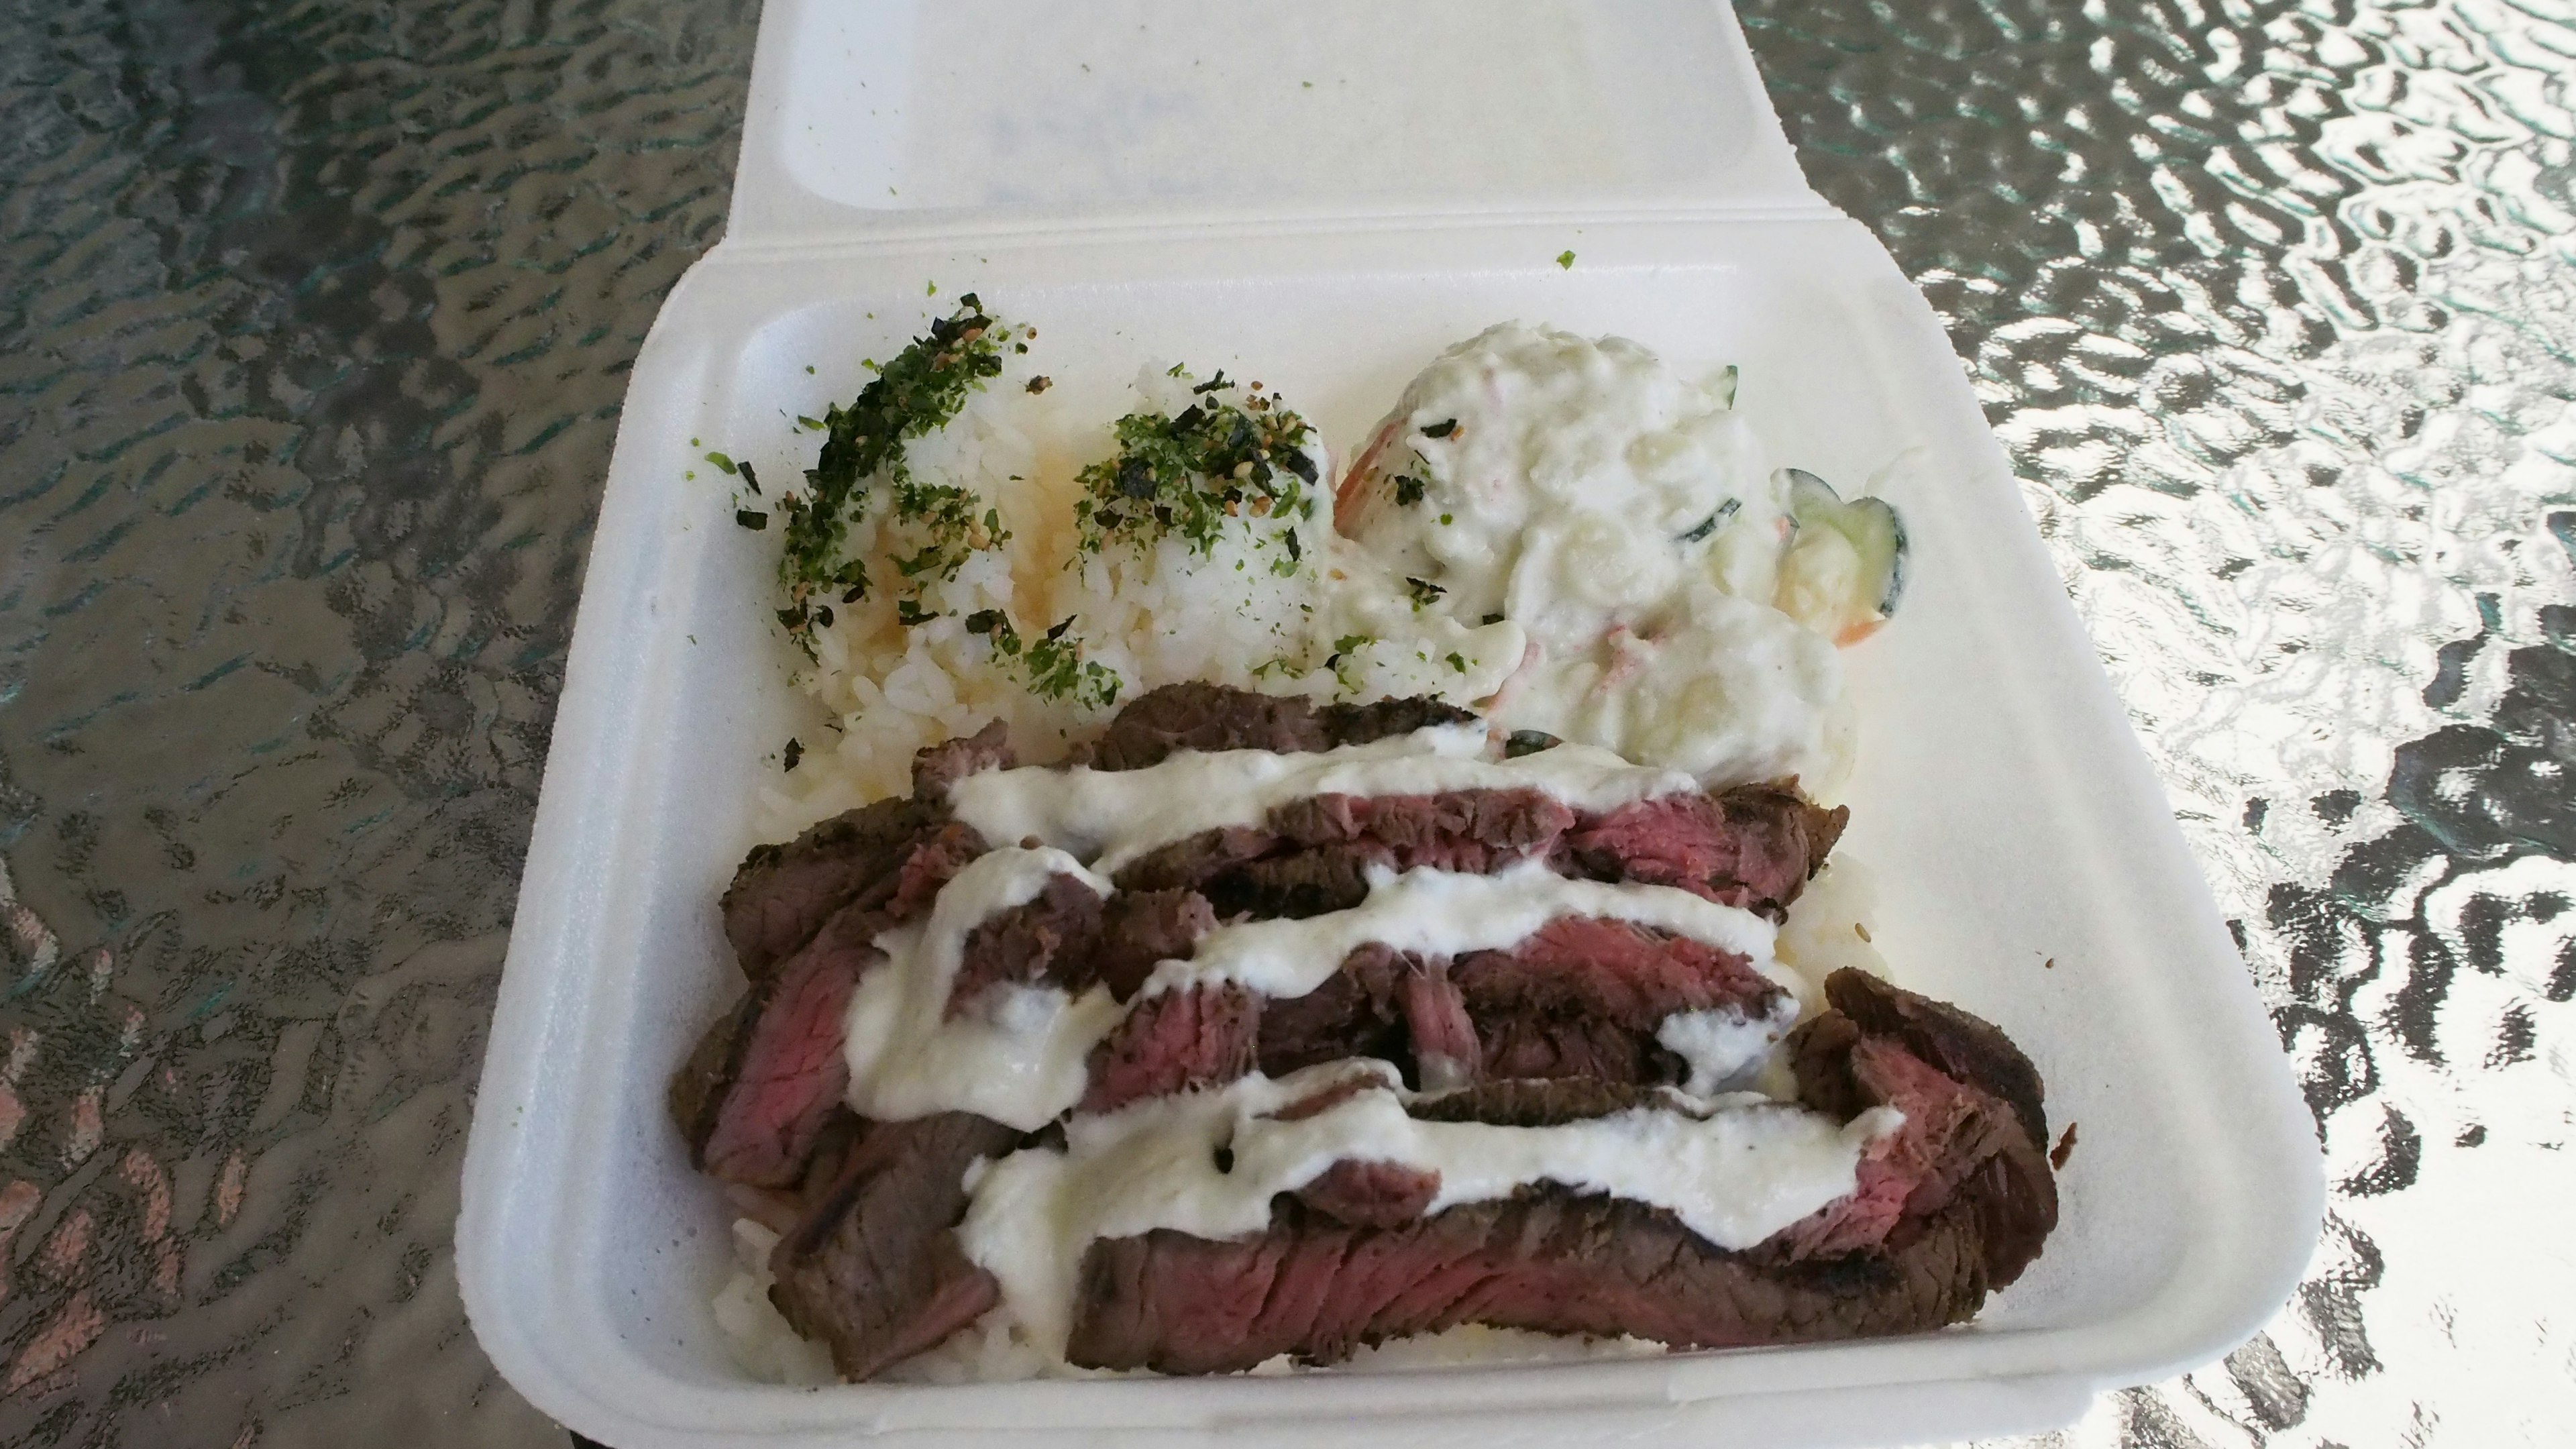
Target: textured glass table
{"x":314,"y":323}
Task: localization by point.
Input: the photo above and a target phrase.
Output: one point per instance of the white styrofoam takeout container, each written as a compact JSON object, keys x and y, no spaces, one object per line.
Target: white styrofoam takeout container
{"x":1320,"y":198}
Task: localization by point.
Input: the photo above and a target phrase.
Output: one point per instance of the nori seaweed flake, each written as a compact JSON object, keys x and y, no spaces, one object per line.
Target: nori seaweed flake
{"x":916,"y":392}
{"x":1190,"y":472}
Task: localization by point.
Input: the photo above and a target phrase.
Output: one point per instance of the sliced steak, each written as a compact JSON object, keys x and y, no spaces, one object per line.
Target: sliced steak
{"x":891,"y":856}
{"x":1360,"y":724}
{"x":1471,"y":831}
{"x":1392,"y":1006}
{"x":1583,"y":997}
{"x":933,"y":859}
{"x":1447,"y":1051}
{"x":1195,"y":1037}
{"x":1163,"y":722}
{"x":1054,"y":938}
{"x":875,"y":1271}
{"x":755,"y":1095}
{"x":783,"y":894}
{"x":939,"y":766}
{"x":1371,"y":1194}
{"x":1754,"y":846}
{"x":1312,"y":856}
{"x":1292,"y":885}
{"x":1975,"y":1125}
{"x":1318,"y":1288}
{"x":1965,"y":1046}
{"x":1622,"y":972}
{"x":1195,"y":716}
{"x":1950,"y":1207}
{"x":1357,"y":1011}
{"x":1140,"y":930}
{"x":1193,"y":860}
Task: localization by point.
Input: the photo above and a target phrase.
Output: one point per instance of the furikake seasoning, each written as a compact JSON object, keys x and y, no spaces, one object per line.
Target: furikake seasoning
{"x":1188,"y":473}
{"x":1052,"y":663}
{"x":916,"y":392}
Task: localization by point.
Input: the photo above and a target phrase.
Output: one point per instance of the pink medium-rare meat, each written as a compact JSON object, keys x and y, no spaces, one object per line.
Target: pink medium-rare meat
{"x":1621,"y":972}
{"x":1580,"y":997}
{"x":753,"y":1098}
{"x":1197,"y":1036}
{"x":1315,"y":1288}
{"x":890,"y":856}
{"x":1472,"y":832}
{"x":1558,"y":1028}
{"x":1754,"y":846}
{"x":1971,"y":1195}
{"x":1371,"y":1194}
{"x":1312,"y":856}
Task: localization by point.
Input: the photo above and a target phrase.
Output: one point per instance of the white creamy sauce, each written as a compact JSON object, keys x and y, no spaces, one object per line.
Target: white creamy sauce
{"x":1113,"y":816}
{"x":1020,"y":1061}
{"x":1734,"y":1171}
{"x":1449,"y":913}
{"x":1621,"y":516}
{"x":1725,"y":1047}
{"x":1733,"y":1168}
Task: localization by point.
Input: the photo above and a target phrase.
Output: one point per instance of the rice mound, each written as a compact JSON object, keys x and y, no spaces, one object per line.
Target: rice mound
{"x":1156,"y":614}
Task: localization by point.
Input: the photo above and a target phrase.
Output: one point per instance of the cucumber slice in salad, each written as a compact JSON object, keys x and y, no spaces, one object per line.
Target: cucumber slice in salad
{"x":1844,"y":569}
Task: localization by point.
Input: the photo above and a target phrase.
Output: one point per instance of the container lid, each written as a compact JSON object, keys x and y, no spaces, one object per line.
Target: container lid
{"x":884,"y":118}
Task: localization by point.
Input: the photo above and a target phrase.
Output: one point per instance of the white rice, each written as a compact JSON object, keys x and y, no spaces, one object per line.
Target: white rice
{"x":1829,"y":928}
{"x":1156,"y":615}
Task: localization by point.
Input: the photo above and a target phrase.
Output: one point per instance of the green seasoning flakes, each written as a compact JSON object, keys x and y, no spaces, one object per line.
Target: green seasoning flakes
{"x":916,"y":392}
{"x":1187,"y":474}
{"x":1052,"y":663}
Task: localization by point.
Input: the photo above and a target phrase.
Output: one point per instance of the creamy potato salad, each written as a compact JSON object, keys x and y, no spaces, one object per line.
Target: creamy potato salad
{"x":1671,"y":596}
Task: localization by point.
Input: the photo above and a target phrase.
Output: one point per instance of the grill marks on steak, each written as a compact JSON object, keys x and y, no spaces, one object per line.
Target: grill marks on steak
{"x":1950,"y":1210}
{"x":875,"y":1271}
{"x":1209,"y":717}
